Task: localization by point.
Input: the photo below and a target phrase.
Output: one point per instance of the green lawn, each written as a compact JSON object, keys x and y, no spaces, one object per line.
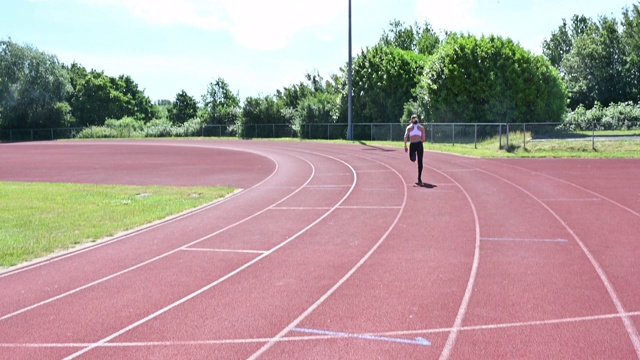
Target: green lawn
{"x":41,"y":218}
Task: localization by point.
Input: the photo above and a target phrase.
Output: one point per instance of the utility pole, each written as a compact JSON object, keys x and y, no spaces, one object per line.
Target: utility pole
{"x":350,"y":95}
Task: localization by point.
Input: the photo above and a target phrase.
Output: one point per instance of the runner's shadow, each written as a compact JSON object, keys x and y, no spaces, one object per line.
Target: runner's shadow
{"x":426,"y":185}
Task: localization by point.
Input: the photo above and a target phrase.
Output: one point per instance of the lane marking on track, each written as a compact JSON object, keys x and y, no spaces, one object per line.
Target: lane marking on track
{"x":570,"y":200}
{"x":225,"y":250}
{"x":613,"y":295}
{"x":146,"y":227}
{"x":327,"y":336}
{"x":372,"y":171}
{"x":514,"y":325}
{"x":464,"y":304}
{"x":234,"y":272}
{"x":299,"y":208}
{"x":340,"y":282}
{"x":416,"y":341}
{"x":524,"y":240}
{"x":124,"y":271}
{"x":370,"y":207}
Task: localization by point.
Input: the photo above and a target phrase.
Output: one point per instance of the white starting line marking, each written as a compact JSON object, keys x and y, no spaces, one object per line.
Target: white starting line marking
{"x":330,"y":187}
{"x":524,"y":240}
{"x":568,"y":200}
{"x":299,"y":208}
{"x":416,"y":341}
{"x":387,"y":336}
{"x":226,"y":250}
{"x":370,"y":207}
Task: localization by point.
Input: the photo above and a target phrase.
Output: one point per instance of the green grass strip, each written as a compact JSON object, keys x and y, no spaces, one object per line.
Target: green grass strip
{"x":38,"y":219}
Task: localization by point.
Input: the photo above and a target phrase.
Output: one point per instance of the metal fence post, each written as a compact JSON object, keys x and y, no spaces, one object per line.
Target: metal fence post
{"x":507,"y":135}
{"x":524,"y":135}
{"x":475,"y":136}
{"x":453,"y":134}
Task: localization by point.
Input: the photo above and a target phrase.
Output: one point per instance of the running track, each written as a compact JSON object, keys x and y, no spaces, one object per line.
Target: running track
{"x":331,"y":252}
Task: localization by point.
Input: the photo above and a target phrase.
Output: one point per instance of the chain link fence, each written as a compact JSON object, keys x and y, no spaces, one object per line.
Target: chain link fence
{"x":452,"y":133}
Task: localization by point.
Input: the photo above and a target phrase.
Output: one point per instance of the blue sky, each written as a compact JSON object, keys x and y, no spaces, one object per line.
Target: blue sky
{"x":257,"y":46}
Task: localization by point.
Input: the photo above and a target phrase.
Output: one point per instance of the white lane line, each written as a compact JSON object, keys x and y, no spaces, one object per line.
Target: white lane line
{"x":325,"y":337}
{"x":86,"y":286}
{"x":337,"y":285}
{"x":371,"y":207}
{"x":225,"y":250}
{"x":512,"y":325}
{"x":340,"y":207}
{"x":628,"y":324}
{"x":229,"y":275}
{"x":464,"y":304}
{"x":523,"y":240}
{"x":146,"y":227}
{"x":571,"y":200}
{"x":300,"y":208}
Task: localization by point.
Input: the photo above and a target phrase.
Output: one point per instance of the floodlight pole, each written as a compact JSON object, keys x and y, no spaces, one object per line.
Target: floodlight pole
{"x":350,"y":91}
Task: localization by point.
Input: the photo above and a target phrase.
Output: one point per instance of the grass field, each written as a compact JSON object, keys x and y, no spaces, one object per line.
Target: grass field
{"x":41,"y":218}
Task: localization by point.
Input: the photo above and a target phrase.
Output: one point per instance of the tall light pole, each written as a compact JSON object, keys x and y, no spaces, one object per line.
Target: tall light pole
{"x":350,"y":95}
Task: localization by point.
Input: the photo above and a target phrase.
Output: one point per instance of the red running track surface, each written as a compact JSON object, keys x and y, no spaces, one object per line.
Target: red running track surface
{"x":331,"y":252}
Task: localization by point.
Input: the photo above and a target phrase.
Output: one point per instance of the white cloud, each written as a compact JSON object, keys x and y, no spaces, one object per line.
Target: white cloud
{"x":255,"y":24}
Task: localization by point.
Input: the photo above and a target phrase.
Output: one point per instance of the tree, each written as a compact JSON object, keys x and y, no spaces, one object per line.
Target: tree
{"x":490,"y":79}
{"x":416,"y":38}
{"x":383,"y":81}
{"x":631,"y":40}
{"x":260,"y":111}
{"x":184,"y":108}
{"x":220,"y":105}
{"x":99,"y":97}
{"x":316,"y":101}
{"x":595,"y":68}
{"x":34,"y":87}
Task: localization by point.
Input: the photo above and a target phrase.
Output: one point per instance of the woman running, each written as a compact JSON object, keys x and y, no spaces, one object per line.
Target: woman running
{"x":416,"y":134}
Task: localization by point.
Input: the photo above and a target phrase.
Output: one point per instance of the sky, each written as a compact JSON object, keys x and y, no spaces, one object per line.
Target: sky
{"x":258,"y":46}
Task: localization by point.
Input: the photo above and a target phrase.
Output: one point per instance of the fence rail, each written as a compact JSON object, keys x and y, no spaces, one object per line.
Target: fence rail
{"x":454,"y":133}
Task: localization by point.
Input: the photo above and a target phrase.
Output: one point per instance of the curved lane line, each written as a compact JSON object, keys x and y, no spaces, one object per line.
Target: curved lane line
{"x":144,"y":228}
{"x":335,"y":287}
{"x":576,"y":186}
{"x":229,"y":275}
{"x":464,"y":304}
{"x":628,"y":324}
{"x":159,"y":256}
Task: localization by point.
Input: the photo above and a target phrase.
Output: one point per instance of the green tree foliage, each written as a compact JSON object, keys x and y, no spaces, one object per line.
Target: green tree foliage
{"x":631,"y":39}
{"x":595,"y":68}
{"x":561,"y":42}
{"x":220,"y":105}
{"x":34,"y":87}
{"x":184,"y":108}
{"x":99,"y":97}
{"x":260,"y":111}
{"x":416,"y":38}
{"x":490,"y":79}
{"x":313,"y":102}
{"x":383,"y":81}
{"x":598,"y":60}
